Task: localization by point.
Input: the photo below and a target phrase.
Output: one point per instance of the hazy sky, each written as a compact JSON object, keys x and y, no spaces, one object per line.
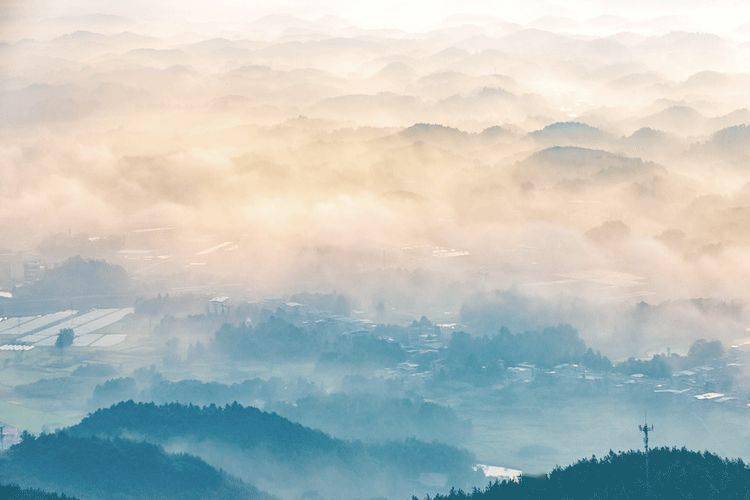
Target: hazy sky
{"x":710,"y":15}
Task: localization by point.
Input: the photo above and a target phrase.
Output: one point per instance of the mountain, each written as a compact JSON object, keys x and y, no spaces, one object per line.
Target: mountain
{"x":246,"y":427}
{"x":489,"y":104}
{"x":13,"y":492}
{"x":673,"y":473}
{"x":731,"y":144}
{"x":581,"y":160}
{"x":38,"y":103}
{"x":495,"y":132}
{"x":735,"y":139}
{"x":450,"y":137}
{"x":81,"y":36}
{"x":281,"y":456}
{"x":573,"y":157}
{"x":448,"y":83}
{"x":99,"y":468}
{"x":646,"y":142}
{"x":396,"y":70}
{"x":677,"y":119}
{"x":77,"y":283}
{"x":570,"y":134}
{"x":371,"y":417}
{"x":706,"y":79}
{"x":572,"y":167}
{"x":435,"y":133}
{"x":737,"y":117}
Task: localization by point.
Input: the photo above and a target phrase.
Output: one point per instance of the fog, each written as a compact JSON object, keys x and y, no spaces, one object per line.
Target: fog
{"x":438,"y":222}
{"x":486,"y":155}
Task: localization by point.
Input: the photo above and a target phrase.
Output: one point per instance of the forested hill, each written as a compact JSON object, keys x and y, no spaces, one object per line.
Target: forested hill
{"x":673,"y":474}
{"x":96,"y":468}
{"x":270,"y":451}
{"x":246,"y":427}
{"x":250,"y":428}
{"x":75,"y":283}
{"x":13,"y":492}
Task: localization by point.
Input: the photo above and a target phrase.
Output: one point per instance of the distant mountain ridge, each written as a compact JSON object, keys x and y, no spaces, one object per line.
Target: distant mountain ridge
{"x":571,"y":134}
{"x":577,"y":157}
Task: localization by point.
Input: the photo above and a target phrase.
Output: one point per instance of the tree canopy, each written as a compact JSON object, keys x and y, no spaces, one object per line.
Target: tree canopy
{"x":673,"y":473}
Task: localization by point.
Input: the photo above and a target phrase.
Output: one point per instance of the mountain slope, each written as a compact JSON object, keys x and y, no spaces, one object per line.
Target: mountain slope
{"x":281,"y":456}
{"x":100,"y":468}
{"x":571,"y":134}
{"x":673,"y":473}
{"x":13,"y":492}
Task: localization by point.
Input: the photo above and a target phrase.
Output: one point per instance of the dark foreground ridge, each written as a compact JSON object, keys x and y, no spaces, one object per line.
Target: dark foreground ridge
{"x":126,"y":451}
{"x":13,"y":492}
{"x":117,"y":468}
{"x":673,"y":474}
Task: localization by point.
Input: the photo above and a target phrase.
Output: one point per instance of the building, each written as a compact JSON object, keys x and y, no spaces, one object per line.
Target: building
{"x":218,"y":306}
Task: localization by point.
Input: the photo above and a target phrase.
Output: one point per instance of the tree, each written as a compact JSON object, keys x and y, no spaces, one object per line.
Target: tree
{"x":704,"y":351}
{"x":677,"y":473}
{"x":65,"y":338}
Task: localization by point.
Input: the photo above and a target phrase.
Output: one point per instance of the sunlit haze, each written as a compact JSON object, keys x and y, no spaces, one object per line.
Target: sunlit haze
{"x":476,"y":166}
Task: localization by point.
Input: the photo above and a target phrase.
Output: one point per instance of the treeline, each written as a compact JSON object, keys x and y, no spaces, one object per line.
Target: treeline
{"x":362,"y":349}
{"x":250,"y":428}
{"x":290,"y":335}
{"x":485,"y":359}
{"x":14,"y":492}
{"x":148,"y":385}
{"x":349,"y":415}
{"x":272,"y":338}
{"x":374,"y":417}
{"x":701,"y":352}
{"x":89,"y":467}
{"x":245,"y":427}
{"x":673,"y":473}
{"x":277,"y":338}
{"x":75,"y":283}
{"x":276,"y":454}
